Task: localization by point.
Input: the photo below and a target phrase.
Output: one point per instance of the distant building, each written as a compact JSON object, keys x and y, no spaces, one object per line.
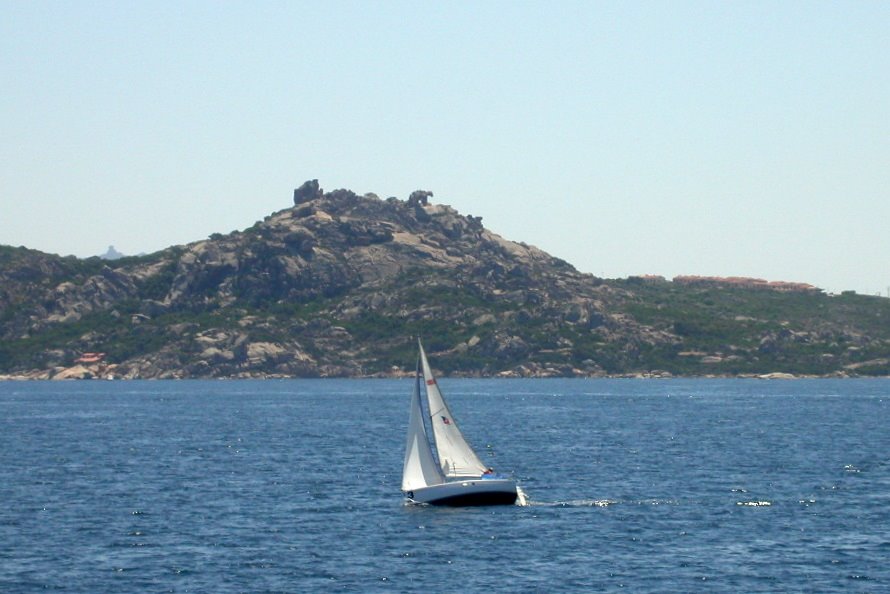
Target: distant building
{"x":747,"y":283}
{"x":647,"y":278}
{"x":90,"y":358}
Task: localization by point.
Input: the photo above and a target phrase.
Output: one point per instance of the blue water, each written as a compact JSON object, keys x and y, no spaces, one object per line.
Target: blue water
{"x":293,"y":486}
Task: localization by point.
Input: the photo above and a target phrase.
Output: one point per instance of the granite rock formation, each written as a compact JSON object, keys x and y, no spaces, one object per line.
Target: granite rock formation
{"x":339,"y":284}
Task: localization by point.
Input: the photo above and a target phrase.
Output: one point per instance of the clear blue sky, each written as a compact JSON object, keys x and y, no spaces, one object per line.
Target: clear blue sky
{"x":712,"y":138}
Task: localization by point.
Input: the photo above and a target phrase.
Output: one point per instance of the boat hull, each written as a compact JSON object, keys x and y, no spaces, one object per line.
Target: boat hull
{"x":467,"y":492}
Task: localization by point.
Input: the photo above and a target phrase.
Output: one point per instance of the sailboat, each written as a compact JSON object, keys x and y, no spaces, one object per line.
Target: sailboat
{"x":454,"y":475}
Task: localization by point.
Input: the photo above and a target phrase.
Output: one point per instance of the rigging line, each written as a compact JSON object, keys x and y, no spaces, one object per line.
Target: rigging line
{"x":433,"y":414}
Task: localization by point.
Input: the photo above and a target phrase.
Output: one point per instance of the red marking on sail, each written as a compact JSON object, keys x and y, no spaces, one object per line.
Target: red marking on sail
{"x":431,"y":382}
{"x":446,"y":421}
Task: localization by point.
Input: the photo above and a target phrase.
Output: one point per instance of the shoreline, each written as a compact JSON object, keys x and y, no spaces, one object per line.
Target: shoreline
{"x":48,"y":376}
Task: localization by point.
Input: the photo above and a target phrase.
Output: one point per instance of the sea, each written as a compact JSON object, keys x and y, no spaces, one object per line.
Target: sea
{"x":669,"y":485}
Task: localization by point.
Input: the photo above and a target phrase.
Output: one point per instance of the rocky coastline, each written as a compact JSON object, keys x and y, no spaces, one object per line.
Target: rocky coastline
{"x":338,"y":284}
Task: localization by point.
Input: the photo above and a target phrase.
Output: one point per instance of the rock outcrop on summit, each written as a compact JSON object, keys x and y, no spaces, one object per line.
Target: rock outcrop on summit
{"x":310,"y":190}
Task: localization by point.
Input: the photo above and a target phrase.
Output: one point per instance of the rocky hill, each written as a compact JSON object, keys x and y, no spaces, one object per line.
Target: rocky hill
{"x":338,"y":285}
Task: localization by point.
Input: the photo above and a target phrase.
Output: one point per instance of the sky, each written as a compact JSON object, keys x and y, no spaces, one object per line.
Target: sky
{"x":712,"y":138}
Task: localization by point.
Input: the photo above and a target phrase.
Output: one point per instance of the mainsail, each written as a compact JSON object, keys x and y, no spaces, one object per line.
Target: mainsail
{"x":420,"y":470}
{"x":456,"y":457}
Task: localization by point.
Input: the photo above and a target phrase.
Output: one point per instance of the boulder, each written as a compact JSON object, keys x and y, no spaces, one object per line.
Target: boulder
{"x":419,"y":198}
{"x":76,"y":372}
{"x":310,"y":190}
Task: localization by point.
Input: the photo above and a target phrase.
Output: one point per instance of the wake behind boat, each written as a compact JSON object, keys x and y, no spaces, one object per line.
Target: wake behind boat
{"x":454,"y":475}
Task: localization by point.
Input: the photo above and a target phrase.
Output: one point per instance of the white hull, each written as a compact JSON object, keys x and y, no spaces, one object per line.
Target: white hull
{"x":470,"y":491}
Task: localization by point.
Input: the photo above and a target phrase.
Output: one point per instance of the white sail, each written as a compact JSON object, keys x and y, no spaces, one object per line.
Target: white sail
{"x":420,"y":470}
{"x":456,"y":457}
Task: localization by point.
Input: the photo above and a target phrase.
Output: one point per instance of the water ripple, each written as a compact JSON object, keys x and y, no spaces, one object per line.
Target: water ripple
{"x":285,"y":486}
